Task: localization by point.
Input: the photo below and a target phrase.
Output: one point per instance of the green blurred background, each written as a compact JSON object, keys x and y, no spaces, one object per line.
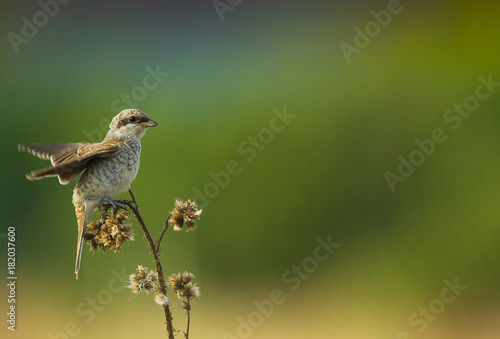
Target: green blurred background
{"x":322,"y":176}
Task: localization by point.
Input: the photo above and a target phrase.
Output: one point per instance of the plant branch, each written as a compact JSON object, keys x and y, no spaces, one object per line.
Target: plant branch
{"x":162,"y":233}
{"x":133,"y":198}
{"x":159,"y":269}
{"x":187,"y":306}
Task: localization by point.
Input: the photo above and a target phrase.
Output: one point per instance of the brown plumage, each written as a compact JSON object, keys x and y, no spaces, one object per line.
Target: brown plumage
{"x":68,"y":160}
{"x":108,"y":167}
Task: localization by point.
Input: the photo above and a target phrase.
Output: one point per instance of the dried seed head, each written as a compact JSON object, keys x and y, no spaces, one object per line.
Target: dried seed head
{"x":181,"y":284}
{"x":190,"y":291}
{"x":194,"y":292}
{"x":160,"y":298}
{"x":143,"y":279}
{"x":93,"y":226}
{"x":184,"y":212}
{"x":110,"y":232}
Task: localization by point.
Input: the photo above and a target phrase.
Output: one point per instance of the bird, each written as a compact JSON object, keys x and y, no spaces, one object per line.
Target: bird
{"x":109,"y":167}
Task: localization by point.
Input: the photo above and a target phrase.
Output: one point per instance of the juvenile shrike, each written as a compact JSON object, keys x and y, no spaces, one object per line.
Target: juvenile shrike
{"x":108,"y":167}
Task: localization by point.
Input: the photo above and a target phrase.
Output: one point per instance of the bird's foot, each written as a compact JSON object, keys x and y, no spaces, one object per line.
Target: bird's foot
{"x":128,"y":202}
{"x":107,"y":202}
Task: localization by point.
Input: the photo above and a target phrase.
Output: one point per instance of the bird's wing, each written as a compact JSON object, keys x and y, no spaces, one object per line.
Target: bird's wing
{"x":69,"y":160}
{"x":46,"y":152}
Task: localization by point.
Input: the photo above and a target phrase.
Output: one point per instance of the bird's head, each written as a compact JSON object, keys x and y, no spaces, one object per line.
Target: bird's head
{"x":131,"y":122}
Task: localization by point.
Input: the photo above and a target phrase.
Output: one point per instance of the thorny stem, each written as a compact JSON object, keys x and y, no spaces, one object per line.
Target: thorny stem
{"x":162,"y":233}
{"x":187,"y":306}
{"x":154,"y":251}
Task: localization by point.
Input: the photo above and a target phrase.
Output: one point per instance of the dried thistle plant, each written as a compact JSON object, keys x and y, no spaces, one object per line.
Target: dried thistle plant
{"x":160,"y":298}
{"x":110,"y":233}
{"x":143,"y":280}
{"x":181,"y":284}
{"x":184,"y":213}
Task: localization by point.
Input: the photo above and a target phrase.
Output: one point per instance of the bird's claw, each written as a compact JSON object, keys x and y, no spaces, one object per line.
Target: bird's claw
{"x":116,"y":205}
{"x":128,"y":202}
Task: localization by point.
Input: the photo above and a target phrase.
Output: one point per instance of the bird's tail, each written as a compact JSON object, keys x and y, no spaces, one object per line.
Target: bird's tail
{"x":82,"y":218}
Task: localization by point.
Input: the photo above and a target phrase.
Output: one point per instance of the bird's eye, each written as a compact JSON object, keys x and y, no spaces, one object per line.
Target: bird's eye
{"x":132,"y":119}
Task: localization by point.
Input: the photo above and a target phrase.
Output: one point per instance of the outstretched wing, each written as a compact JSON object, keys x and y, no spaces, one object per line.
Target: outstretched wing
{"x":46,"y":152}
{"x":68,"y":160}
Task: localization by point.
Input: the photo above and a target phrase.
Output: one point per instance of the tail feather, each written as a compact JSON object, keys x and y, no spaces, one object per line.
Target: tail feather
{"x":82,"y":219}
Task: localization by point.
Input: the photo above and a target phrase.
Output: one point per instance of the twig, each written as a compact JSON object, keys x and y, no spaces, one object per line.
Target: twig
{"x":162,"y":233}
{"x":187,"y":306}
{"x":154,"y":251}
{"x":133,"y":198}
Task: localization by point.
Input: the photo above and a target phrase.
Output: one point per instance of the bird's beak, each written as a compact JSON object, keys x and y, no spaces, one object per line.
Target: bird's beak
{"x":149,"y":123}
